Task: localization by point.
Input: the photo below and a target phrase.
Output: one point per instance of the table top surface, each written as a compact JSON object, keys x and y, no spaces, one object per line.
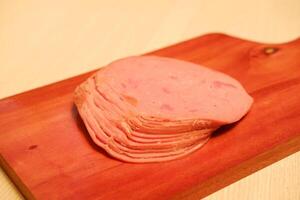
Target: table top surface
{"x":46,"y":41}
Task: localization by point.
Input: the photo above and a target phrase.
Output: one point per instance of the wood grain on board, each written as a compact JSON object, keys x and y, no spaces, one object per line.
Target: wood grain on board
{"x":46,"y":149}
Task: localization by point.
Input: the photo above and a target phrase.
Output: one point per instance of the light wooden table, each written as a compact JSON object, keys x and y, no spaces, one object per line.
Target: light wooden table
{"x":45,"y":41}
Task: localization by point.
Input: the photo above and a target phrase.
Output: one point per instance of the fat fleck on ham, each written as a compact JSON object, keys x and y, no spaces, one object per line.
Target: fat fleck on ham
{"x":150,"y":109}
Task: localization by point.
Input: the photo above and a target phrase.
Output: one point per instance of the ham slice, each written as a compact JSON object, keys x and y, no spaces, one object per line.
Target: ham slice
{"x":152,"y":109}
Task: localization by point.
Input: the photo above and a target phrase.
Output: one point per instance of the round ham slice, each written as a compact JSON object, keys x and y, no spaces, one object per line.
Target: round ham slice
{"x":175,"y":89}
{"x":151,"y":109}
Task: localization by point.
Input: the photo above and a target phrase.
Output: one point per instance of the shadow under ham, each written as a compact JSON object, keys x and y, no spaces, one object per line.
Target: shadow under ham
{"x":222,"y":130}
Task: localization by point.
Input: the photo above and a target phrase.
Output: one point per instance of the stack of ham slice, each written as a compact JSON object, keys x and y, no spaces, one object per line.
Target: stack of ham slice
{"x":150,"y":109}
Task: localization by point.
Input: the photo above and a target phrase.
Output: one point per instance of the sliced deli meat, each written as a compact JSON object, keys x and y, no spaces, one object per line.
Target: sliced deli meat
{"x":151,"y":109}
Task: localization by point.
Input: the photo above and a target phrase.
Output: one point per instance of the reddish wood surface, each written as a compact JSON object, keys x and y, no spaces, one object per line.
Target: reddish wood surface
{"x":46,"y":150}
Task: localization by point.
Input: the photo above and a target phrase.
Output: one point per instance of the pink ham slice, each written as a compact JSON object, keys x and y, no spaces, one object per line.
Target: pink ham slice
{"x":175,"y":89}
{"x":151,"y":109}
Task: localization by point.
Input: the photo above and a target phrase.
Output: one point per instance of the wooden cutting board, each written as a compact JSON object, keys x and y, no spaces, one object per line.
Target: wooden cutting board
{"x":46,"y":149}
